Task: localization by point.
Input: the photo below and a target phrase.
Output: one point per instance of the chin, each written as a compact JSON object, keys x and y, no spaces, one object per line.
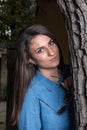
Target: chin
{"x":54,"y":66}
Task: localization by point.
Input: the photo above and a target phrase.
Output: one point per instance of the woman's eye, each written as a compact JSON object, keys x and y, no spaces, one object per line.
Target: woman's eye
{"x":51,"y":42}
{"x":40,"y":50}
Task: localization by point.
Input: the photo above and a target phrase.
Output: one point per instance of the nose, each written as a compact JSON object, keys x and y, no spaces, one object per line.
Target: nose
{"x":50,"y":52}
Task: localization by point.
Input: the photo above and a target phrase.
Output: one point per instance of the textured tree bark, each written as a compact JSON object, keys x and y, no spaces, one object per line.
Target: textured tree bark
{"x":75,"y":12}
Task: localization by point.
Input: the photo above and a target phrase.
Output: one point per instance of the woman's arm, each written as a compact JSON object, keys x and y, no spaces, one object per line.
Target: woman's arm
{"x":67,"y":77}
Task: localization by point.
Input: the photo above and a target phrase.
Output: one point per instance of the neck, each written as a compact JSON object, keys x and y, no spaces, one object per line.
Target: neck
{"x":52,"y":74}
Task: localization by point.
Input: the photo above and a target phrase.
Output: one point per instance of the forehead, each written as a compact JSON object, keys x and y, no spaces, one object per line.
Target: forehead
{"x":40,"y":39}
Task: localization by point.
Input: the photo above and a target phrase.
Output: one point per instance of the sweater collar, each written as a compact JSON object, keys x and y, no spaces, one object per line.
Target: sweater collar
{"x":48,"y":83}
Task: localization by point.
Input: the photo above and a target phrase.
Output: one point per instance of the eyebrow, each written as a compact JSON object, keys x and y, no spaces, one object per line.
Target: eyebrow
{"x":42,"y":46}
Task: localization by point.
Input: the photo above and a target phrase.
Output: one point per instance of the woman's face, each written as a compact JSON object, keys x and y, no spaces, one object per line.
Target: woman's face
{"x":44,"y":52}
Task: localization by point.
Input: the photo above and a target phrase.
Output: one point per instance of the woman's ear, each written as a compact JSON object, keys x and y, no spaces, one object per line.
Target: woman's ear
{"x":31,"y":61}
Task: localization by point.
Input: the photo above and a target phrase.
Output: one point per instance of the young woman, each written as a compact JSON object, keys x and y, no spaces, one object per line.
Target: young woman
{"x":40,"y":99}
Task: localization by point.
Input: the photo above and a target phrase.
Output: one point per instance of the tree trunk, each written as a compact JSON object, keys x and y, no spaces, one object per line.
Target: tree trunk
{"x":75,"y":12}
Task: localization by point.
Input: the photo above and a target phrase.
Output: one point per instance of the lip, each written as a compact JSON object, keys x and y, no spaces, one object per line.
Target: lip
{"x":54,"y":58}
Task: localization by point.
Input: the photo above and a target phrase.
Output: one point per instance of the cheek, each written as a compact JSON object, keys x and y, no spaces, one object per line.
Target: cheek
{"x":58,"y":54}
{"x":40,"y":58}
{"x":57,"y":51}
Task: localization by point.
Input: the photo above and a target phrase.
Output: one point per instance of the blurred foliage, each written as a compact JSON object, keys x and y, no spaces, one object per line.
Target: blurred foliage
{"x":14,"y":16}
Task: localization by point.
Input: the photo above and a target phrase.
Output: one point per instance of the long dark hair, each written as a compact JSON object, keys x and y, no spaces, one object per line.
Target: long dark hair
{"x":24,"y":70}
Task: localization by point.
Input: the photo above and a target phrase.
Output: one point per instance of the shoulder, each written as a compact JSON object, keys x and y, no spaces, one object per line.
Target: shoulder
{"x":31,"y":100}
{"x":33,"y":90}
